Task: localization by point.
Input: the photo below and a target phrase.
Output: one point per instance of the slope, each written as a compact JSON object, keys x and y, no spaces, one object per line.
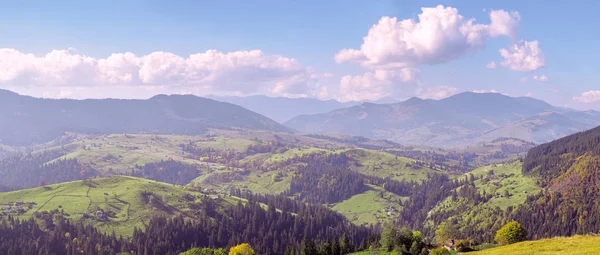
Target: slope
{"x":126,"y":202}
{"x":577,"y":245}
{"x":29,"y":120}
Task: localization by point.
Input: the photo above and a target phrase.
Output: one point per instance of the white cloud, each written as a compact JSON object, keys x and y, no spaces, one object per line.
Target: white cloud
{"x":437,"y":92}
{"x":323,"y":75}
{"x":487,"y":91}
{"x":528,"y":94}
{"x":491,"y":65}
{"x":377,"y":84}
{"x":504,"y":23}
{"x":524,"y":79}
{"x":540,"y":78}
{"x":441,"y":34}
{"x":587,"y":97}
{"x":240,"y":72}
{"x":525,"y":56}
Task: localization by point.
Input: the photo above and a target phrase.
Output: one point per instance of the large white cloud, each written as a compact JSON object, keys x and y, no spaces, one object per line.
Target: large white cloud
{"x":441,"y":34}
{"x":239,"y":72}
{"x":377,"y":84}
{"x":588,"y":97}
{"x":504,"y":23}
{"x":437,"y":92}
{"x":524,"y":56}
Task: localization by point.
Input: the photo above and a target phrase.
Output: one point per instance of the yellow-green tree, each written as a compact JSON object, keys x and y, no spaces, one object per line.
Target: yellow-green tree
{"x":512,"y":232}
{"x":241,"y":249}
{"x":445,"y":231}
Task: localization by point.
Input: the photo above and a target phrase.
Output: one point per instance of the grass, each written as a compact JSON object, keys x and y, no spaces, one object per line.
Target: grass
{"x":577,"y":245}
{"x":507,"y":177}
{"x":367,"y":207}
{"x":291,"y":153}
{"x":384,"y":164}
{"x":118,"y":194}
{"x":121,"y":152}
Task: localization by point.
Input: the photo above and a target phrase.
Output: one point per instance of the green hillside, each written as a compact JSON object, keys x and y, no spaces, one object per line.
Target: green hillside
{"x":577,"y":245}
{"x":119,"y":197}
{"x":503,"y":184}
{"x":372,"y":206}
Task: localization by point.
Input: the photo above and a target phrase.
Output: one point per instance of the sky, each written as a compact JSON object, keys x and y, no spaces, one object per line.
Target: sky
{"x":345,"y":50}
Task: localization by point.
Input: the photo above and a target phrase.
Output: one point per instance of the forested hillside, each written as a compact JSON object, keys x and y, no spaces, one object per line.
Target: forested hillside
{"x":569,"y":169}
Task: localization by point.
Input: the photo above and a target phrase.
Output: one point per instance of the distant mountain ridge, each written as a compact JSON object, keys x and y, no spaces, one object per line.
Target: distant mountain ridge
{"x":282,"y":109}
{"x":26,"y":120}
{"x":459,"y":120}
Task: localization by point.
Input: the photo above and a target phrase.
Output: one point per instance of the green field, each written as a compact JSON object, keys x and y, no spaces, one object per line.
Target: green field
{"x":118,"y":194}
{"x":371,"y":206}
{"x":384,"y":164}
{"x":577,"y":245}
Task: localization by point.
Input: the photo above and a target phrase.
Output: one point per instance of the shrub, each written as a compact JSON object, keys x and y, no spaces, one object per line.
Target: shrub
{"x":439,"y":251}
{"x":510,"y":233}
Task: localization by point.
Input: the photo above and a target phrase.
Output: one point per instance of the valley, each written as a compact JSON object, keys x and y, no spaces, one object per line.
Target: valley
{"x":122,"y":183}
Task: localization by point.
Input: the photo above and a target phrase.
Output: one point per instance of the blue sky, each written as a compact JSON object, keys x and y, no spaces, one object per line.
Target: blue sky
{"x":298,"y":41}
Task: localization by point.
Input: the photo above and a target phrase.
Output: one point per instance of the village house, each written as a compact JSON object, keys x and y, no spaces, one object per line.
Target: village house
{"x":449,"y":244}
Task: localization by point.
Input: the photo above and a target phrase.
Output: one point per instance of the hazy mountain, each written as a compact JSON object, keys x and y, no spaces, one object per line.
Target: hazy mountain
{"x":282,"y":108}
{"x":458,"y":120}
{"x":27,"y":120}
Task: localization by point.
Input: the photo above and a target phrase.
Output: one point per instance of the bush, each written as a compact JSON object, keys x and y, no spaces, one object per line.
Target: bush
{"x":463,"y":246}
{"x":439,"y":251}
{"x":510,"y":233}
{"x":242,"y":249}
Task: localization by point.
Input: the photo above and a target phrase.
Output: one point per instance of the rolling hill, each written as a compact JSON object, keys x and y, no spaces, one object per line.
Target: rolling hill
{"x":27,"y":120}
{"x":258,"y":161}
{"x":460,"y":120}
{"x":119,"y":197}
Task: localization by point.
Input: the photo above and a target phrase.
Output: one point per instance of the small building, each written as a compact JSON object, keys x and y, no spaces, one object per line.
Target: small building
{"x":449,"y":244}
{"x":99,"y":214}
{"x":389,"y":213}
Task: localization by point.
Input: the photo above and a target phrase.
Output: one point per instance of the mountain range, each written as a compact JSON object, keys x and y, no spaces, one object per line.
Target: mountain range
{"x":460,"y":120}
{"x":28,"y":120}
{"x":282,"y":109}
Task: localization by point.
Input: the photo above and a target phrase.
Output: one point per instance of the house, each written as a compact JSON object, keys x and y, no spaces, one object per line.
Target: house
{"x":449,"y":244}
{"x":99,"y":214}
{"x":389,"y":213}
